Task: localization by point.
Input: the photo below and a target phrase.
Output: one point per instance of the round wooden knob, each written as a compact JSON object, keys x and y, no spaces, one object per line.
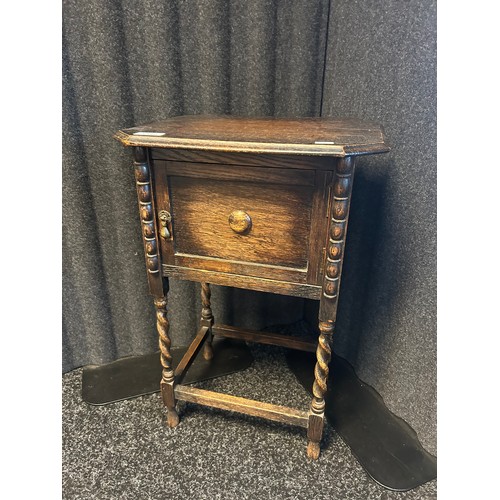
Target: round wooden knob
{"x":240,"y":222}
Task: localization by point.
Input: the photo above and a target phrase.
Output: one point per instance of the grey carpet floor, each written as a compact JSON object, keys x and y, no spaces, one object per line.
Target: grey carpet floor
{"x":124,"y":451}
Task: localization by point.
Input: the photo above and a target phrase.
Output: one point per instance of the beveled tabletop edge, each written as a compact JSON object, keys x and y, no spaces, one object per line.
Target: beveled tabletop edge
{"x":128,"y":137}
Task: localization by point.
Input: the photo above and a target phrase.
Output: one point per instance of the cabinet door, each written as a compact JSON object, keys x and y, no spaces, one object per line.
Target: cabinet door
{"x":261,"y":221}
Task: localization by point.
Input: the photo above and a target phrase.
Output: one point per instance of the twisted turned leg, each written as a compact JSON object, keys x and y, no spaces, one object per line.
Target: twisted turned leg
{"x":207,"y":319}
{"x":167,"y":379}
{"x":317,"y":409}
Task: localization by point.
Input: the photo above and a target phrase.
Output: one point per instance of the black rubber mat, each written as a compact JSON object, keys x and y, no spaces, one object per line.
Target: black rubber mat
{"x":139,"y":375}
{"x":384,"y":444}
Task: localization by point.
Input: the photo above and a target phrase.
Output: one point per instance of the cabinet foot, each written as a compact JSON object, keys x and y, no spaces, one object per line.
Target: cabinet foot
{"x":313,"y":450}
{"x":208,"y":352}
{"x":172,"y":418}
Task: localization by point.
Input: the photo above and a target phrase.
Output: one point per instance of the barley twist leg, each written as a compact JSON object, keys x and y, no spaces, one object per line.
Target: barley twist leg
{"x":207,"y":319}
{"x":167,"y":379}
{"x":317,"y":410}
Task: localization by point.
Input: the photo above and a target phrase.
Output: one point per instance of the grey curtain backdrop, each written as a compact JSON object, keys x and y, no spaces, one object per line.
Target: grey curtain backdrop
{"x":129,"y":62}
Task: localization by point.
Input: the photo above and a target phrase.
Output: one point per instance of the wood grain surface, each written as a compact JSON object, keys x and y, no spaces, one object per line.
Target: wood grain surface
{"x":268,"y":338}
{"x":244,"y":159}
{"x":311,"y":136}
{"x":233,"y":173}
{"x":280,"y":220}
{"x":278,"y":413}
{"x":190,"y":354}
{"x":247,"y":282}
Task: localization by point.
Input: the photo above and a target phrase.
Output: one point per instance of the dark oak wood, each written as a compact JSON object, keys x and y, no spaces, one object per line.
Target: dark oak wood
{"x":244,"y":159}
{"x":267,"y":175}
{"x":207,"y":319}
{"x":321,"y":370}
{"x":143,"y":180}
{"x":318,"y":236}
{"x":315,"y":426}
{"x":280,"y":218}
{"x":279,"y":214}
{"x":277,"y":413}
{"x":190,"y":354}
{"x":310,"y":136}
{"x":268,"y":338}
{"x":256,"y":203}
{"x":252,"y":270}
{"x":340,"y":199}
{"x":246,"y":282}
{"x":167,"y":380}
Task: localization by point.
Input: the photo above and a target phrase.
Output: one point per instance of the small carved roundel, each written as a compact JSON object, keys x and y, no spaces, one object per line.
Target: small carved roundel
{"x":330,"y":287}
{"x":332,"y":270}
{"x":240,"y":222}
{"x":334,"y":251}
{"x":337,"y":231}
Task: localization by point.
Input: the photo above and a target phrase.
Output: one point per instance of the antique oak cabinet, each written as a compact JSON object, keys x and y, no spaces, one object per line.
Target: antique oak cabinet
{"x":256,"y":203}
